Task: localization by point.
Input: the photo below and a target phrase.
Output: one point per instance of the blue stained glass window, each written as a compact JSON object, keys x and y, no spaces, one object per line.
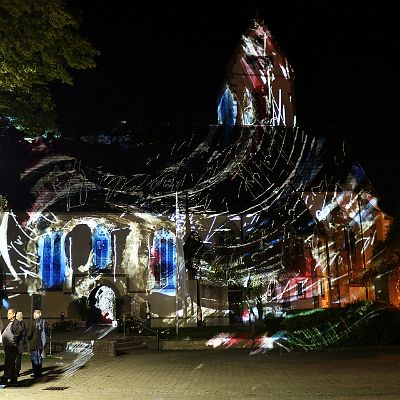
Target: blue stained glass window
{"x":358,"y":171}
{"x":170,"y":261}
{"x":163,"y":259}
{"x":101,"y":247}
{"x":46,"y":261}
{"x":227,"y":109}
{"x":52,"y":260}
{"x":57,"y":260}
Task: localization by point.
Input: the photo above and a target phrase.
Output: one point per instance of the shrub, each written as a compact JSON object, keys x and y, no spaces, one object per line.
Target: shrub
{"x":66,"y":325}
{"x":359,"y":323}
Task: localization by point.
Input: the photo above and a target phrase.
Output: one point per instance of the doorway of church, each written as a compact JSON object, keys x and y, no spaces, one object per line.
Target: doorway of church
{"x":102,"y":306}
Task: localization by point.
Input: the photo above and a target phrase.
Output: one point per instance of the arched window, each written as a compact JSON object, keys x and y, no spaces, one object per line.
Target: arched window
{"x":249,"y":109}
{"x":52,"y":260}
{"x":227,"y":109}
{"x":101,"y":245}
{"x":57,"y":255}
{"x":163,"y":259}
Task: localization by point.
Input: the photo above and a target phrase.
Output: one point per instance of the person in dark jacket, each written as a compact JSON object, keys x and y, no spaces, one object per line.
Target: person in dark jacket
{"x":37,"y":337}
{"x":22,"y":345}
{"x":11,"y":336}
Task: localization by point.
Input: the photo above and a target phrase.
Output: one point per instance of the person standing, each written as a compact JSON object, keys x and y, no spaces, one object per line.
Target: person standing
{"x":1,"y":331}
{"x":22,"y":344}
{"x":37,"y":337}
{"x":11,"y":336}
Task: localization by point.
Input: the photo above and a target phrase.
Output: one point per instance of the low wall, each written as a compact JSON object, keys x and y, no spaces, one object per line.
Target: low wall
{"x":183,"y":345}
{"x":107,"y":347}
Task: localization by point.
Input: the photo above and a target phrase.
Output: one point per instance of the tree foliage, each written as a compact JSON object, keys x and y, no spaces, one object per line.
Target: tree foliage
{"x":3,"y":203}
{"x":40,"y":44}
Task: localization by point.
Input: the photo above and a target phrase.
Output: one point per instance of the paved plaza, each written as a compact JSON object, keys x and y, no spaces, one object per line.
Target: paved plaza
{"x":214,"y":374}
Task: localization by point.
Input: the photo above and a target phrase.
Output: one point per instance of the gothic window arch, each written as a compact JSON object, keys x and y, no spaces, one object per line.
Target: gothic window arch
{"x":52,"y":260}
{"x":249,"y":110}
{"x":163,"y":259}
{"x":227,"y":109}
{"x":101,"y":246}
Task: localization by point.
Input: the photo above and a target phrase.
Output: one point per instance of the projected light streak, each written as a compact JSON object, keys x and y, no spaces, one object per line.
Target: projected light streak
{"x":367,"y":241}
{"x":208,"y":236}
{"x":274,"y":197}
{"x":30,"y":260}
{"x":313,"y":284}
{"x":333,"y":335}
{"x":338,"y":277}
{"x":52,"y":221}
{"x":115,"y":257}
{"x":25,"y":271}
{"x":70,"y":254}
{"x":84,"y":351}
{"x":284,"y":291}
{"x":28,"y":253}
{"x":22,"y":230}
{"x":269,"y":342}
{"x":333,"y":257}
{"x":4,"y":246}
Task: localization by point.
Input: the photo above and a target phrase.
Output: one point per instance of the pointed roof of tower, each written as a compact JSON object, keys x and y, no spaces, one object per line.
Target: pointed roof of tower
{"x":259,"y":86}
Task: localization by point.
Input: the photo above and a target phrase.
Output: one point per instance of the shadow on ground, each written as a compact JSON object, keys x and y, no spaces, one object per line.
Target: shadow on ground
{"x":50,"y":374}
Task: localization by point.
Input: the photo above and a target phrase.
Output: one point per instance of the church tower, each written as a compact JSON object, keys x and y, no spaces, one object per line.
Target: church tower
{"x":259,"y":87}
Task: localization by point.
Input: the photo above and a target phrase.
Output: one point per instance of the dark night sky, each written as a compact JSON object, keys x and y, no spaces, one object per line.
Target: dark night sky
{"x":167,"y":63}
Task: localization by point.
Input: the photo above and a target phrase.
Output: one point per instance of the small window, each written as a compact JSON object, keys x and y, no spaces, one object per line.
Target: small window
{"x":271,"y":291}
{"x":300,"y":290}
{"x":322,"y":288}
{"x":298,"y":248}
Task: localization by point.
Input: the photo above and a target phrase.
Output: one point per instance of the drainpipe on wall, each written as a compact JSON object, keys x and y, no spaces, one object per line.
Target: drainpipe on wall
{"x":328,"y":267}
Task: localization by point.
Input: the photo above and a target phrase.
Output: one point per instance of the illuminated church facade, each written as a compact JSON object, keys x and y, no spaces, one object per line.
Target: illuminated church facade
{"x":252,"y":213}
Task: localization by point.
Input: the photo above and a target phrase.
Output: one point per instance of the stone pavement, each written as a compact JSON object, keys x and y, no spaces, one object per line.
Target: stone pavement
{"x":214,"y":374}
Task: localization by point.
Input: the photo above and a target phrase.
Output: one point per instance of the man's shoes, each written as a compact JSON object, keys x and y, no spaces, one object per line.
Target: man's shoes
{"x":2,"y":386}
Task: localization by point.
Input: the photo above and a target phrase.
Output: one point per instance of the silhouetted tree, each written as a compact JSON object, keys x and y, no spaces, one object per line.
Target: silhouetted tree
{"x":39,"y":44}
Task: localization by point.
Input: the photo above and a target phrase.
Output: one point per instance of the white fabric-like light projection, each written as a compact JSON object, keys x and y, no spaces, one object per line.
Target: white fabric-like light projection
{"x":105,"y":302}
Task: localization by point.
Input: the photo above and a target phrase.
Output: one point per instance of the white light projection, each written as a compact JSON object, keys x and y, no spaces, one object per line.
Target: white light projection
{"x":105,"y":302}
{"x":4,"y":245}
